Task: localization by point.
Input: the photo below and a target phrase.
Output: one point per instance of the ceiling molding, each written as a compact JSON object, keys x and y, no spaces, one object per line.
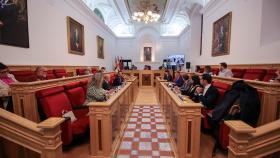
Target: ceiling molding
{"x":82,"y":8}
{"x":212,"y":6}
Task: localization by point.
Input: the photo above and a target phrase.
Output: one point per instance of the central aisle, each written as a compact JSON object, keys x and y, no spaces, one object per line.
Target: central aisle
{"x":146,"y":134}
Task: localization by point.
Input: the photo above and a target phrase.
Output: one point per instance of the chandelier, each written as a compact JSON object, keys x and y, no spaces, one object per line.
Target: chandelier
{"x":146,"y":17}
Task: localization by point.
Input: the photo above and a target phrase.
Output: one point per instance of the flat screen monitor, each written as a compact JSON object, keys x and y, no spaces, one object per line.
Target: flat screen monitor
{"x":176,"y":60}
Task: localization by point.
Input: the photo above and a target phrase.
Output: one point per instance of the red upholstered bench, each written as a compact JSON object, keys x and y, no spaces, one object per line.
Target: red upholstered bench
{"x":50,"y":75}
{"x":270,"y":74}
{"x":94,"y":70}
{"x":80,"y":71}
{"x":238,"y":73}
{"x":54,"y":102}
{"x":215,"y":71}
{"x":59,"y":73}
{"x":84,"y":84}
{"x":254,"y":74}
{"x":23,"y":76}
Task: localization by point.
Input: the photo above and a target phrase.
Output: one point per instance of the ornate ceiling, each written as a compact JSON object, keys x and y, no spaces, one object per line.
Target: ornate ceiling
{"x":174,"y":15}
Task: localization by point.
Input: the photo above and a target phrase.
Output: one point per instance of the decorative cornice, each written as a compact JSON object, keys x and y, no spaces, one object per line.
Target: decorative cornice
{"x":212,"y":5}
{"x":81,"y":7}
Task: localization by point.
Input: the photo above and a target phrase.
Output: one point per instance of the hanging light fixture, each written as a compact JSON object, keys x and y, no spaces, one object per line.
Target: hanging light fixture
{"x":146,"y":17}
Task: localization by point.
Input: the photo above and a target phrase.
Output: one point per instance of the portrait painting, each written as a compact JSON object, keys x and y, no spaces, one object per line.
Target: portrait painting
{"x":14,"y":23}
{"x":100,"y":47}
{"x":221,"y":36}
{"x":147,"y":53}
{"x":75,"y":37}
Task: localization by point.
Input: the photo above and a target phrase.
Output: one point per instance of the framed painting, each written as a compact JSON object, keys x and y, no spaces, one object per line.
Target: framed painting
{"x":100,"y":47}
{"x":221,"y":35}
{"x":75,"y":37}
{"x":14,"y":23}
{"x":147,"y":53}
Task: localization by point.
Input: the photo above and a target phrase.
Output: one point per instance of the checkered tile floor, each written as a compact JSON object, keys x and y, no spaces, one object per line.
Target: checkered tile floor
{"x":146,"y":135}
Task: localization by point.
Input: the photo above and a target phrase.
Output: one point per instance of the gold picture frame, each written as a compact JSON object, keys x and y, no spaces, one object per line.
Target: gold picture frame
{"x":100,"y":47}
{"x":75,"y":37}
{"x":221,"y":35}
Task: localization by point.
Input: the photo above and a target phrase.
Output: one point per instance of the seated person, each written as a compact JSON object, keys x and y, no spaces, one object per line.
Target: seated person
{"x":197,"y":69}
{"x":88,"y":71}
{"x":207,"y":94}
{"x":103,"y":69}
{"x":95,"y":92}
{"x":277,"y":78}
{"x":179,"y":81}
{"x":6,"y":79}
{"x":133,"y":67}
{"x":39,"y":74}
{"x":147,"y":67}
{"x":195,"y":83}
{"x":187,"y":84}
{"x":106,"y":84}
{"x":167,"y":76}
{"x":207,"y":70}
{"x":224,"y":71}
{"x":118,"y":79}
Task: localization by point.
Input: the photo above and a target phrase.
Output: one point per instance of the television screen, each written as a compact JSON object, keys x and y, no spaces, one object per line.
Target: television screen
{"x":178,"y":60}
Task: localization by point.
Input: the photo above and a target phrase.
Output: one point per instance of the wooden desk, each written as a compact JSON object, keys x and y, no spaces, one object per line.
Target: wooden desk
{"x":24,"y":99}
{"x":146,"y":77}
{"x":108,"y":120}
{"x":183,"y":122}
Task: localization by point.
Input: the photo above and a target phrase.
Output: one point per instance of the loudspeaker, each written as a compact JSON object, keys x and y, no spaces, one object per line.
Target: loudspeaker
{"x":188,"y":65}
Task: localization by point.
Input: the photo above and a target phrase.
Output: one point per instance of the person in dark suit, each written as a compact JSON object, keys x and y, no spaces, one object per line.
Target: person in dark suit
{"x":179,"y":81}
{"x":187,"y":84}
{"x":195,"y":83}
{"x":207,"y":94}
{"x":167,"y":76}
{"x":105,"y":84}
{"x":118,"y":79}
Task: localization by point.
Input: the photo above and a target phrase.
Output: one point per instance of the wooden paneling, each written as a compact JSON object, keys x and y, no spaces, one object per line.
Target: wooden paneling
{"x":249,"y":66}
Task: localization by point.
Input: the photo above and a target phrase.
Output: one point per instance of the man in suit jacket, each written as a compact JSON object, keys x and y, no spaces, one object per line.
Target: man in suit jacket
{"x":105,"y":84}
{"x":207,"y":94}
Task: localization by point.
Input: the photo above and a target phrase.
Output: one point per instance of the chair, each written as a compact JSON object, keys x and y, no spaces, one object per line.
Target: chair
{"x":270,"y":75}
{"x":238,"y":73}
{"x":50,"y":75}
{"x":23,"y":76}
{"x":59,"y":73}
{"x":215,"y":71}
{"x":80,"y":71}
{"x":84,"y":84}
{"x":54,"y":102}
{"x":254,"y":74}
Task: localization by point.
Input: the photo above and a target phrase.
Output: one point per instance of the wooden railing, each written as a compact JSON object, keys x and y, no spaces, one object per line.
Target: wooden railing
{"x":69,"y":69}
{"x":24,"y":99}
{"x":183,"y":119}
{"x":270,"y":97}
{"x":246,"y":141}
{"x":108,"y":121}
{"x":43,"y":138}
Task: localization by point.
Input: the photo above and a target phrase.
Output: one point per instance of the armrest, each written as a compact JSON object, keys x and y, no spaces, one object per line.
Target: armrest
{"x":66,"y":131}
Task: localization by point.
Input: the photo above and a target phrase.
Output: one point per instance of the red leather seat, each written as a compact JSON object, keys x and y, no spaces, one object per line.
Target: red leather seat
{"x":270,"y":75}
{"x":53,"y":102}
{"x":254,"y":74}
{"x":238,"y":73}
{"x":222,"y":88}
{"x":50,"y":75}
{"x":84,"y":84}
{"x":59,"y":73}
{"x":93,"y":70}
{"x":215,"y":71}
{"x":201,"y":70}
{"x":80,"y":71}
{"x":23,"y":76}
{"x":77,"y":98}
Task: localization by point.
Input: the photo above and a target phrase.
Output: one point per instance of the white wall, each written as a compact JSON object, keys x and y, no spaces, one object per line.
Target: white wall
{"x":48,"y":36}
{"x":132,"y":48}
{"x":245,"y":45}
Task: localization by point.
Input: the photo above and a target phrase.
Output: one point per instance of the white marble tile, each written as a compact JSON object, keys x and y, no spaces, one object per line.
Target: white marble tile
{"x":145,"y":135}
{"x":146,"y":114}
{"x":154,"y":140}
{"x":134,"y":152}
{"x":164,"y":147}
{"x":162,"y":135}
{"x":145,"y":126}
{"x":123,"y":156}
{"x":159,"y":120}
{"x":134,"y":114}
{"x":160,"y":126}
{"x":133,"y":120}
{"x":126,"y":145}
{"x":145,"y":146}
{"x":146,"y":120}
{"x":155,"y":153}
{"x":131,"y":126}
{"x":129,"y":134}
{"x":146,"y":110}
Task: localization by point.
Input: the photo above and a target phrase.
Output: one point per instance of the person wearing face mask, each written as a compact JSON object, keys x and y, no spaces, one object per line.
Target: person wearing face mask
{"x":6,"y":79}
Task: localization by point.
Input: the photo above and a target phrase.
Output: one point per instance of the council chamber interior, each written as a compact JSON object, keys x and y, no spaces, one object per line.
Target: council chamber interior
{"x":139,"y":78}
